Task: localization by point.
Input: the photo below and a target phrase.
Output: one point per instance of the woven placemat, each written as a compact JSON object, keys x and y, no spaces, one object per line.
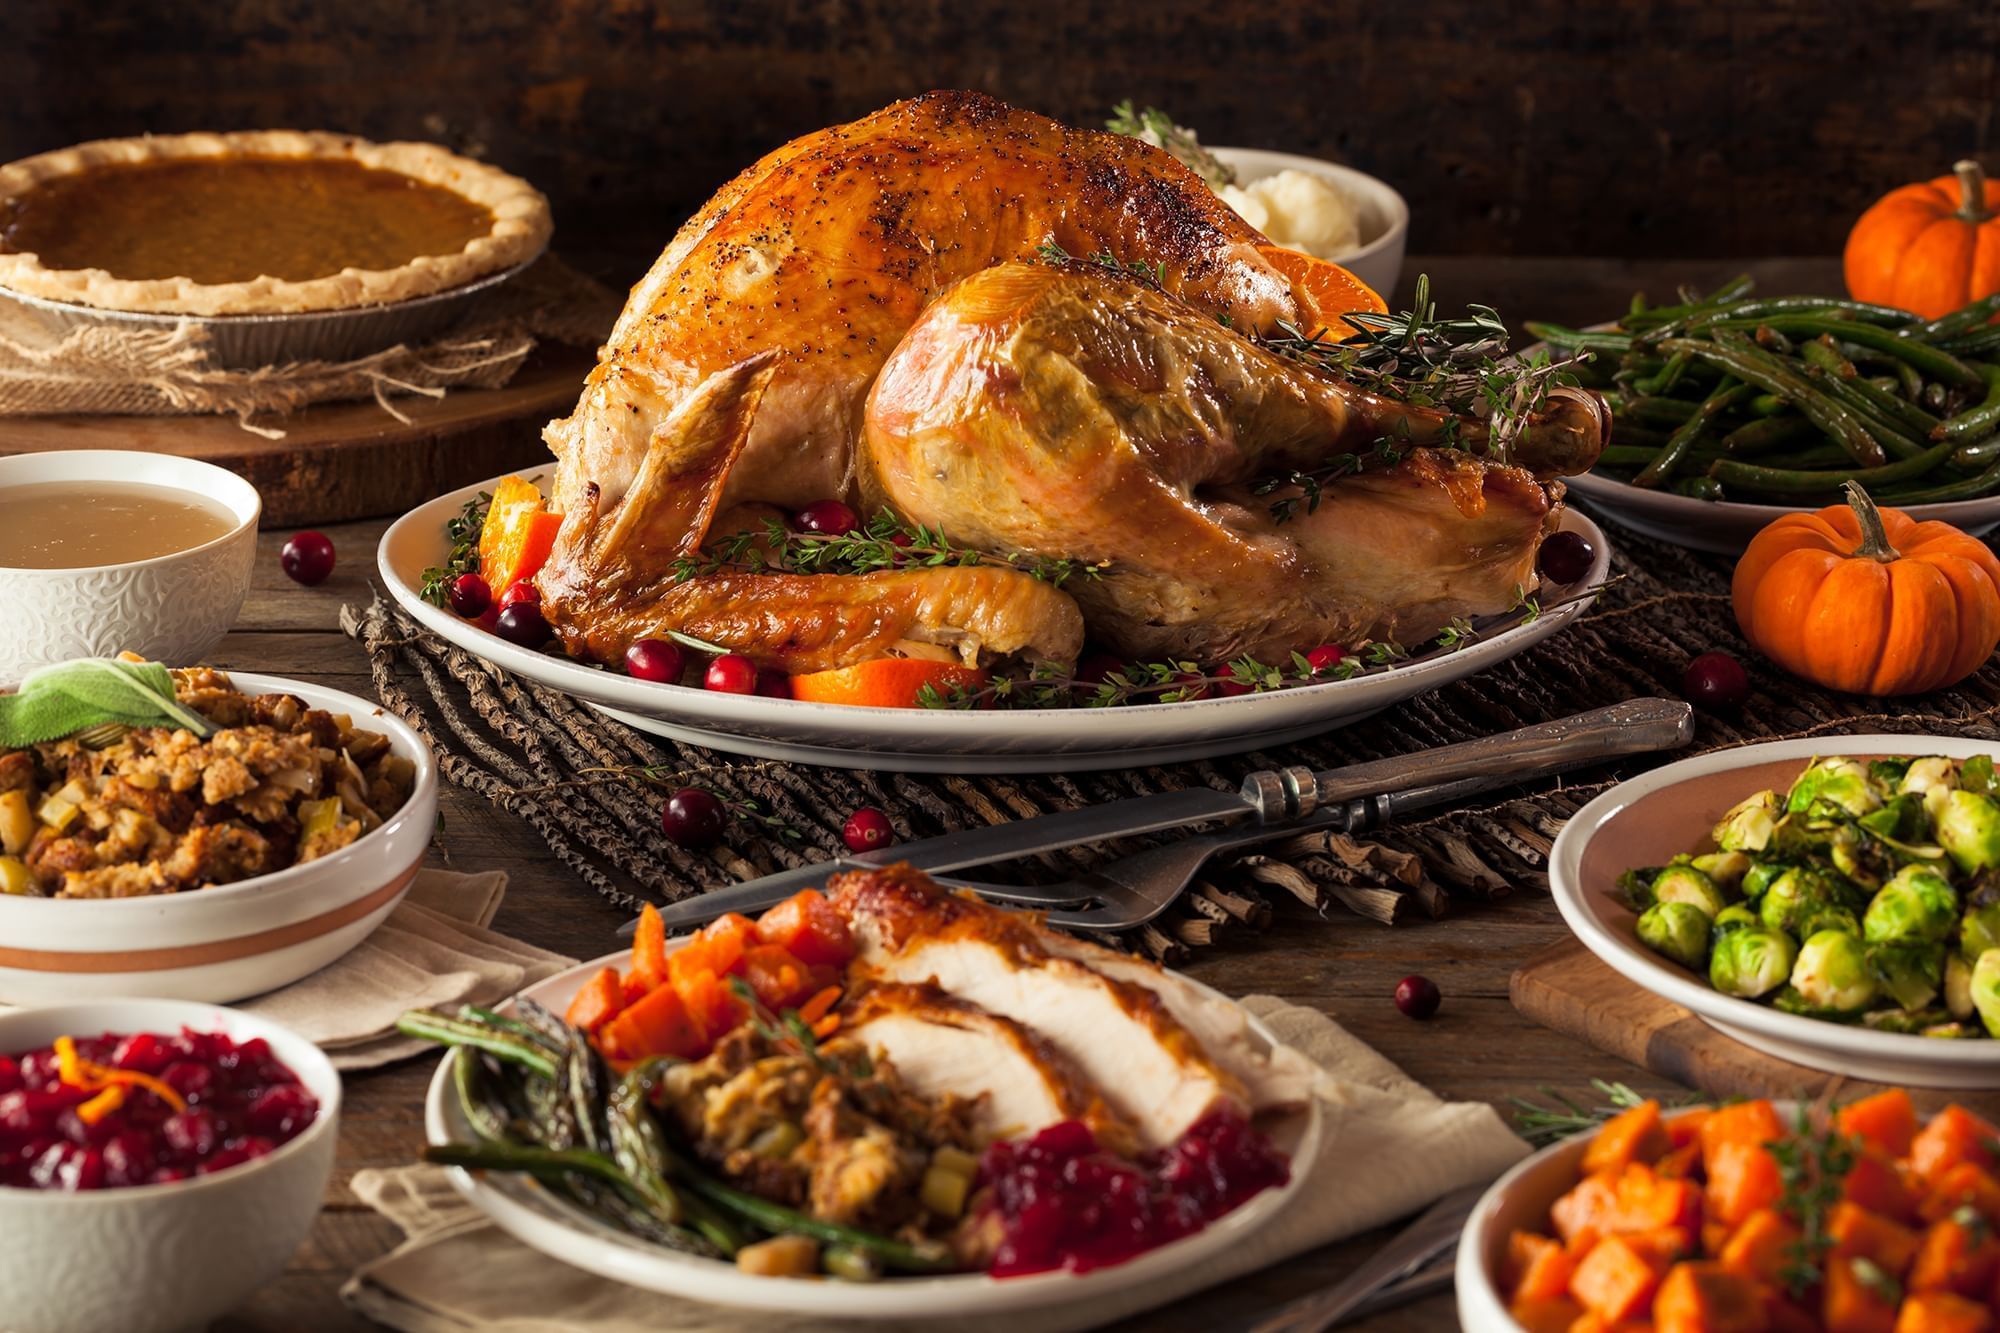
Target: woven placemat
{"x":592,"y":787}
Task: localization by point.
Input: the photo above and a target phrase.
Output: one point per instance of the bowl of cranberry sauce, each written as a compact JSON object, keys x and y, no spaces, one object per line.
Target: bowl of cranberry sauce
{"x":183,"y":1145}
{"x":143,"y":1108}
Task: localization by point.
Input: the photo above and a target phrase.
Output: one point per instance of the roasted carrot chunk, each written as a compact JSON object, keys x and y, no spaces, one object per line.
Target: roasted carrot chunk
{"x":1960,"y":1256}
{"x":1886,"y":1122}
{"x":597,"y":1003}
{"x":1685,"y":1126}
{"x":780,"y":980}
{"x":1851,"y":1304}
{"x":649,"y":951}
{"x":1615,"y":1281}
{"x":1759,"y":1245}
{"x":1942,"y":1312}
{"x":1742,"y":1177}
{"x":1545,"y":1271}
{"x":1554,"y":1316}
{"x":655,"y":1024}
{"x":1881,"y":1186}
{"x":1682,"y":1163}
{"x":1644,"y":1202}
{"x":808,"y":927}
{"x":711,"y":1007}
{"x":1962,"y":1186}
{"x":1633,"y":1135}
{"x":1954,"y":1135}
{"x":1587,"y":1207}
{"x":1706,"y":1297}
{"x":1752,"y":1123}
{"x":1856,"y":1232}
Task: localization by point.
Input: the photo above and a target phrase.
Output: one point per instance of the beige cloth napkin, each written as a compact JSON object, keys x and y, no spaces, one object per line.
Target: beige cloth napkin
{"x":1390,"y":1147}
{"x":433,"y":951}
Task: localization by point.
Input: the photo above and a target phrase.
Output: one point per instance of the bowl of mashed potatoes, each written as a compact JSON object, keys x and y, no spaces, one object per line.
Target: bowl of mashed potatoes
{"x":1322,"y":208}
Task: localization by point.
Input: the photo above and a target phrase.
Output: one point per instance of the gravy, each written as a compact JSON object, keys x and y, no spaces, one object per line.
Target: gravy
{"x":74,"y":524}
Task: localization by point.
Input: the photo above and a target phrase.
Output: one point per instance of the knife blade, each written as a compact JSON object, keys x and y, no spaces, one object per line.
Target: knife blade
{"x":1636,"y":726}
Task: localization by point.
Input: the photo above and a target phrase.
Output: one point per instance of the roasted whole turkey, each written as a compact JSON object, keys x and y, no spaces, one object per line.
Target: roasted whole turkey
{"x":862,"y":315}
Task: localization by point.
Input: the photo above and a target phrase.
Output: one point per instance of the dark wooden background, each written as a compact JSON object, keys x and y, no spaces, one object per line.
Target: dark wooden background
{"x":1687,"y":128}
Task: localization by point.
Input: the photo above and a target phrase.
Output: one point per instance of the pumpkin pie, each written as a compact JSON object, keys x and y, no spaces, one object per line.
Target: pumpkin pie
{"x":258,"y":223}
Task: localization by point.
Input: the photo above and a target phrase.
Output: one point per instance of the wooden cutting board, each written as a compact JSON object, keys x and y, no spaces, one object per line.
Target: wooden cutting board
{"x":342,"y":461}
{"x":1565,"y":987}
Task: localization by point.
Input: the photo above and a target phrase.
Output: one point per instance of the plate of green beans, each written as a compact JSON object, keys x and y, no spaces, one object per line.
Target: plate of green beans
{"x":1732,"y":408}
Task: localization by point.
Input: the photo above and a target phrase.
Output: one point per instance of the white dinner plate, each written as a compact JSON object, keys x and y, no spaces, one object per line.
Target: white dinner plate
{"x":1645,"y":821}
{"x":536,"y":1217}
{"x":921,"y":740}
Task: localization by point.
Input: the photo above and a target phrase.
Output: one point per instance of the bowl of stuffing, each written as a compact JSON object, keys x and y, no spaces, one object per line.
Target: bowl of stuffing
{"x":1309,"y":204}
{"x":163,"y":1160}
{"x":259,"y":831}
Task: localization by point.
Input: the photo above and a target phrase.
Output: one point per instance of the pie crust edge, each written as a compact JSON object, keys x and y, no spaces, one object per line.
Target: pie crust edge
{"x":521,"y":227}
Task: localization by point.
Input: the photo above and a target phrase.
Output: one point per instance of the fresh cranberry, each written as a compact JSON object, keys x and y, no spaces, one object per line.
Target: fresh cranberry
{"x":655,"y":659}
{"x":826,"y":518}
{"x":1192,"y":686}
{"x":693,"y":818}
{"x":519,"y":591}
{"x":523,"y":625}
{"x":1715,"y":683}
{"x":1325,"y":658}
{"x":1418,"y":996}
{"x":1094,"y":669}
{"x":143,"y":1052}
{"x":1566,"y":557}
{"x":283,"y":1110}
{"x":469,"y":596}
{"x":1229,"y":685}
{"x":773,"y":684}
{"x":307,"y":558}
{"x":867,"y":829}
{"x":731,"y":673}
{"x":901,"y":539}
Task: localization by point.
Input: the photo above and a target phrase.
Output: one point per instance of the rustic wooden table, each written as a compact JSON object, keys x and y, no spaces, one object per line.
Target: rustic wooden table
{"x":1477,"y":1047}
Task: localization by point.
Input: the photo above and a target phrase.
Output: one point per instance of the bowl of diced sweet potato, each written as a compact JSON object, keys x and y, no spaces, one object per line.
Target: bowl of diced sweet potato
{"x":1747,"y":1217}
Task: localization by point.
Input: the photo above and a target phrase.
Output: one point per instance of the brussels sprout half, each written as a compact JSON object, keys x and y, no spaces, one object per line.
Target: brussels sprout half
{"x":1909,"y":972}
{"x":1986,"y":990}
{"x":1802,"y":893}
{"x":1917,"y":904}
{"x":1840,"y":782}
{"x":1676,"y":930}
{"x":1969,"y":831}
{"x":1958,"y":986}
{"x":1832,"y":973}
{"x":1751,"y":962}
{"x":1724,"y":869}
{"x":1759,"y":876}
{"x":1734,"y":917}
{"x":1685,"y":884}
{"x":1747,"y":827}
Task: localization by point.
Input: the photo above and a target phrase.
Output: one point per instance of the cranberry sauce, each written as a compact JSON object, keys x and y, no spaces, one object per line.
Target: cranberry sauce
{"x":101,"y":1112}
{"x":1063,"y":1203}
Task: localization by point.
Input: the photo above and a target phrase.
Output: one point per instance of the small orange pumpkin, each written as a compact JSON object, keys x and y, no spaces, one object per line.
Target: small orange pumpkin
{"x":1868,"y":601}
{"x":1931,"y":247}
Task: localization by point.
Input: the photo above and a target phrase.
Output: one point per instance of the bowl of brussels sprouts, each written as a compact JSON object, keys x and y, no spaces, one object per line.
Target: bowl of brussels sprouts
{"x":1839,"y":910}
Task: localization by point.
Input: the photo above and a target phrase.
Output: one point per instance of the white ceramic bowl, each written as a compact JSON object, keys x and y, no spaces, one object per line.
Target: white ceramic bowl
{"x":161,"y":1258}
{"x":235,"y":940}
{"x":1383,"y":216}
{"x":172,"y":608}
{"x":1645,"y":821}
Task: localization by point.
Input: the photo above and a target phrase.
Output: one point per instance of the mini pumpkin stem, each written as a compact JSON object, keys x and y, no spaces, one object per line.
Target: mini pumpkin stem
{"x":1971,"y":190}
{"x":1874,"y":537}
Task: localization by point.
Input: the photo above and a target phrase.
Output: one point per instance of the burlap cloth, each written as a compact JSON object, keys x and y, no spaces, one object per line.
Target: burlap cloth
{"x":1388,"y":1146}
{"x":167,"y":371}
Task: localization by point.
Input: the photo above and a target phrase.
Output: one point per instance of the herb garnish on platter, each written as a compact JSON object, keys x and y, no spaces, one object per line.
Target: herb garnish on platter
{"x":884,"y":542}
{"x":462,"y":532}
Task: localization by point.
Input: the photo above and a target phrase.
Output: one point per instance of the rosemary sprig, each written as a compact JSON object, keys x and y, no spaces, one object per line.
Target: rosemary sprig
{"x":463,"y":534}
{"x":1542,"y":1125}
{"x":1811,"y":1166}
{"x":1152,"y":274}
{"x":884,"y":542}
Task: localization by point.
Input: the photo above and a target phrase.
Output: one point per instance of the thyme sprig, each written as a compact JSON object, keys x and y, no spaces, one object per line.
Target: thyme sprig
{"x":462,"y":531}
{"x":1541,"y":1125}
{"x":1153,"y":274}
{"x":1812,"y":1164}
{"x":883,"y":542}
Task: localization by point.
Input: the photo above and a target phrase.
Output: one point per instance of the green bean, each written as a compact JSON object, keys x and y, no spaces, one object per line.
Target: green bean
{"x":1787,"y":481}
{"x":1822,"y":352}
{"x":582,"y":1079}
{"x":520,"y":1157}
{"x":636,"y":1144}
{"x":1768,"y":405}
{"x":466,"y":1077}
{"x":1699,"y":488}
{"x":1685,"y":318}
{"x":1978,"y":421}
{"x":433,"y":1026}
{"x":1767,"y":433}
{"x":851,"y":1264}
{"x":1624,"y":432}
{"x":1747,"y":361}
{"x":1962,"y":320}
{"x":1936,"y":364}
{"x":1771,"y":340}
{"x":1590,"y":341}
{"x":1974,"y":343}
{"x":780,"y":1220}
{"x":1891,"y":434}
{"x":1972,"y":488}
{"x":1890,"y":404}
{"x":1670,"y":375}
{"x":473,"y":1013}
{"x":1726,"y":395}
{"x":1636,"y":456}
{"x":1936,"y":396}
{"x":1735,"y":289}
{"x":1665,"y":411}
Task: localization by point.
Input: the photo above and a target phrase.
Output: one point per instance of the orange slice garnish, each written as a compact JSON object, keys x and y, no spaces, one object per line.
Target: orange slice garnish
{"x":886,"y":682}
{"x":1325,"y":290}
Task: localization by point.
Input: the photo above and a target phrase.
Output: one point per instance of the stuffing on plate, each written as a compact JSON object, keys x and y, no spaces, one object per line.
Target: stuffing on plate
{"x":160,"y":810}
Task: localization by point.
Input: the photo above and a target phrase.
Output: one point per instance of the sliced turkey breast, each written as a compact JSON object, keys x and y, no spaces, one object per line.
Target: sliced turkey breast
{"x":941,"y":1044}
{"x":1145,"y":1064}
